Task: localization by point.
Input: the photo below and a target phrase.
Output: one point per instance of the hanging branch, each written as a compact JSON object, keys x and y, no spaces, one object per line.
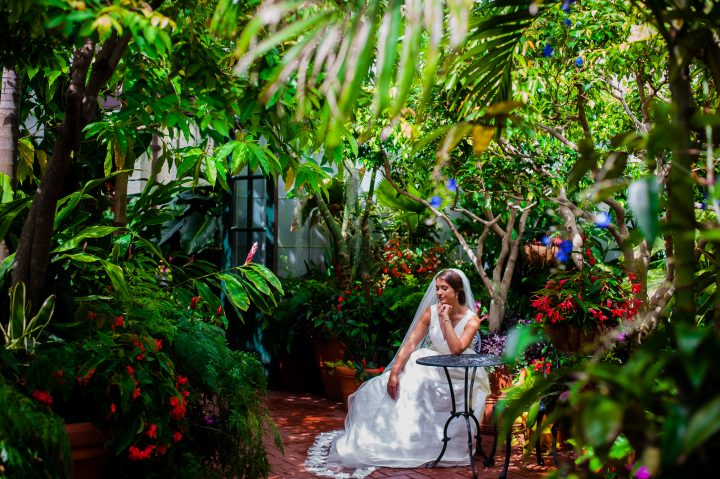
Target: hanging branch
{"x":499,"y":285}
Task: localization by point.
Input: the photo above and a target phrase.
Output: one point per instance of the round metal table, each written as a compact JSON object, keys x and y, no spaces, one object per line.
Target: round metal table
{"x":467,"y":362}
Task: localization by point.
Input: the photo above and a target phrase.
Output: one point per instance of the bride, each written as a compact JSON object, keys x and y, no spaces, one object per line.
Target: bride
{"x":397,"y":419}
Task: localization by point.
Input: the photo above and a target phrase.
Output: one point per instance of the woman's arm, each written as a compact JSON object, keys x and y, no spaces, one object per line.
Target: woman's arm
{"x":414,"y":338}
{"x":458,"y":344}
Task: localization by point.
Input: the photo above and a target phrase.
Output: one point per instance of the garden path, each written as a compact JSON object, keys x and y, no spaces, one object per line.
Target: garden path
{"x":301,"y":416}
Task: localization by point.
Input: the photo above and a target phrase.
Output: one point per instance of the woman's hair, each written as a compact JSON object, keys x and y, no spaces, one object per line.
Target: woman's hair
{"x":455,"y":281}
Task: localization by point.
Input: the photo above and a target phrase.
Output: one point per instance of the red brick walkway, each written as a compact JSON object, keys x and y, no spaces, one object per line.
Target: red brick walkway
{"x":301,"y":416}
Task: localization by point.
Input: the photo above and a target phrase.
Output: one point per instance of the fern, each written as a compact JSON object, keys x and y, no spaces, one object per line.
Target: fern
{"x":230,"y":420}
{"x":33,"y":441}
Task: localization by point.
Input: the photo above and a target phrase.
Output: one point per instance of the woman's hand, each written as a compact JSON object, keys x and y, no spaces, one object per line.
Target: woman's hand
{"x":444,"y":311}
{"x":393,"y":386}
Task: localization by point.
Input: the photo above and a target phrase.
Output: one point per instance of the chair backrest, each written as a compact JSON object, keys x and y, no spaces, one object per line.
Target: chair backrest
{"x":476,"y":342}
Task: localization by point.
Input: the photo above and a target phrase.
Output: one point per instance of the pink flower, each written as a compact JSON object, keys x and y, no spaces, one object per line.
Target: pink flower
{"x":642,"y":473}
{"x":252,"y":252}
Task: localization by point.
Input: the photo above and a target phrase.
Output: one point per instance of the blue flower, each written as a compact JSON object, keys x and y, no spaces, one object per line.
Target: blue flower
{"x":562,"y":256}
{"x":566,"y":6}
{"x":545,"y":240}
{"x":579,"y":62}
{"x":567,"y":22}
{"x":451,"y":185}
{"x":548,"y":50}
{"x":602,"y":219}
{"x":566,"y":246}
{"x":435,"y":201}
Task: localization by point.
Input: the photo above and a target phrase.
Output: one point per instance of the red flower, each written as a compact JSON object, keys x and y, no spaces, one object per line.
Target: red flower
{"x":118,"y":323}
{"x":194,"y":301}
{"x":340,"y":299}
{"x":152,"y":431}
{"x":252,"y":252}
{"x":177,"y":436}
{"x":43,"y":397}
{"x":177,"y":407}
{"x":219,"y":311}
{"x":136,"y":393}
{"x":84,"y":380}
{"x":113,"y":408}
{"x":636,"y":287}
{"x":181,"y":380}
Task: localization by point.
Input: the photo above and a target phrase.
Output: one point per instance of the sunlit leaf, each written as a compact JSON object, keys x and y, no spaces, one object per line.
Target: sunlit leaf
{"x":643,"y":199}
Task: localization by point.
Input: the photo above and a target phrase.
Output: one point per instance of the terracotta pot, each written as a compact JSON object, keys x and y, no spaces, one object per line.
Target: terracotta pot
{"x":88,"y":451}
{"x":331,"y":383}
{"x":327,"y":350}
{"x":348,"y":382}
{"x":570,"y":338}
{"x":500,"y":378}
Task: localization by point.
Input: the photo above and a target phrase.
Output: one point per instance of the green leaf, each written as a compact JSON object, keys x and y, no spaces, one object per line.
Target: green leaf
{"x":6,"y":265}
{"x":704,"y":424}
{"x":17,"y":311}
{"x":643,"y":199}
{"x":221,"y":126}
{"x":532,"y":415}
{"x":116,"y":277}
{"x":518,"y":340}
{"x":210,"y":170}
{"x":207,"y":295}
{"x":235,"y":291}
{"x":387,"y":53}
{"x":268,"y":275}
{"x":82,"y":257}
{"x":257,"y":280}
{"x":601,"y":421}
{"x":89,"y":232}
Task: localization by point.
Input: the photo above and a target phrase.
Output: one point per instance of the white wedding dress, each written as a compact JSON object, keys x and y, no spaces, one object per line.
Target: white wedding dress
{"x":406,"y":432}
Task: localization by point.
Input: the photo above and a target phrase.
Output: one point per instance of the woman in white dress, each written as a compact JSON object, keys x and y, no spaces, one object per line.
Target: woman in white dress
{"x":397,"y":419}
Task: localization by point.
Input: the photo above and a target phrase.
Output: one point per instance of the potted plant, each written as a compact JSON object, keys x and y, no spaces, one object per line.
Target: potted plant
{"x":119,"y":379}
{"x":33,"y":441}
{"x":578,"y":304}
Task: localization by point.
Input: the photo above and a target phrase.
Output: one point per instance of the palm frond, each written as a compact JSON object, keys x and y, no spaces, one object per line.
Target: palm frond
{"x":337,"y":49}
{"x":479,"y":75}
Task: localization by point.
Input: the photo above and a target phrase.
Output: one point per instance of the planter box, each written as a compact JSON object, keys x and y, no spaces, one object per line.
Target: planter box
{"x":88,"y":451}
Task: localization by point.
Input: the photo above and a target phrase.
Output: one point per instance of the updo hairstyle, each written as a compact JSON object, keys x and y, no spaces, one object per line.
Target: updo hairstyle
{"x":455,"y":281}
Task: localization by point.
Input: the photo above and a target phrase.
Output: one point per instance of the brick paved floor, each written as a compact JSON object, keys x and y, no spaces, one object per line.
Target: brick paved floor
{"x":301,"y":416}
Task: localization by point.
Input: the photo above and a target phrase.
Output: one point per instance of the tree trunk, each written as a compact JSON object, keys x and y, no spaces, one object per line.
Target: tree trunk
{"x":120,"y":204}
{"x":680,"y":204}
{"x":33,"y":254}
{"x":496,"y":312}
{"x":9,"y":129}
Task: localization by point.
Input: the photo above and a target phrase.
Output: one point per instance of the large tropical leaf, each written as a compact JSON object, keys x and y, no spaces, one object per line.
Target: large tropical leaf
{"x":480,"y":73}
{"x":337,"y":48}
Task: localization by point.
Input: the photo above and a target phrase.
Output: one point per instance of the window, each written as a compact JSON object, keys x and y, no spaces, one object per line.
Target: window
{"x":254,"y":200}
